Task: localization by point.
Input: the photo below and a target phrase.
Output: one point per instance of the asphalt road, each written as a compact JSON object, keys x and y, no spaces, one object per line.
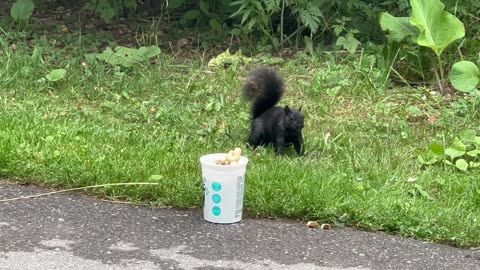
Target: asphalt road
{"x":72,"y":231}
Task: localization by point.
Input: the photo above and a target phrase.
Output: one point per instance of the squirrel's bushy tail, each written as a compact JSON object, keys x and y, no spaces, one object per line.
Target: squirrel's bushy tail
{"x":264,"y":88}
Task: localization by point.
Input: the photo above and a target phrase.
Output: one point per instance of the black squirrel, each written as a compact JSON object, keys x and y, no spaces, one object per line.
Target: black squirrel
{"x":271,"y":124}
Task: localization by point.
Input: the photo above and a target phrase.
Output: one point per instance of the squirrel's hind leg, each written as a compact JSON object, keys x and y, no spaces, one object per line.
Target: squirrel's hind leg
{"x":256,"y":137}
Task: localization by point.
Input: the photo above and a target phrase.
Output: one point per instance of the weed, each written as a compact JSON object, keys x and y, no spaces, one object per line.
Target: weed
{"x":428,"y":26}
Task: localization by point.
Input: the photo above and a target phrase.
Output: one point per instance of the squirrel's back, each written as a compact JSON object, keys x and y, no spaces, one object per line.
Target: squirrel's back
{"x":264,"y":87}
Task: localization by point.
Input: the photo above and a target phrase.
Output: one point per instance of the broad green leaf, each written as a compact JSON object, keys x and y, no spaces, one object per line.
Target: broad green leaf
{"x":461,"y":164}
{"x":465,"y":76}
{"x":438,"y":28}
{"x":204,"y":7}
{"x":458,"y":145}
{"x":432,"y":155}
{"x":468,"y":135}
{"x":474,"y":164}
{"x":456,"y":149}
{"x":399,"y":28}
{"x":144,"y":53}
{"x":474,"y":153}
{"x":192,"y":14}
{"x":125,"y":51}
{"x":215,"y":25}
{"x":337,"y":29}
{"x":476,"y":141}
{"x":349,"y":42}
{"x":107,"y":53}
{"x":236,"y":31}
{"x":56,"y":74}
{"x":91,"y":57}
{"x":437,"y":148}
{"x":424,"y":159}
{"x":22,"y":10}
{"x":121,"y":56}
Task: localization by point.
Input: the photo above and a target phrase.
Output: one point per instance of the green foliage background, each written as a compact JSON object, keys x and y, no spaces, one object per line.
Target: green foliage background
{"x":275,"y":23}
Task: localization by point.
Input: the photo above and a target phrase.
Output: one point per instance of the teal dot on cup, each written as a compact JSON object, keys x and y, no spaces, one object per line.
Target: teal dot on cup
{"x":216,"y":211}
{"x":216,"y":186}
{"x":216,"y":198}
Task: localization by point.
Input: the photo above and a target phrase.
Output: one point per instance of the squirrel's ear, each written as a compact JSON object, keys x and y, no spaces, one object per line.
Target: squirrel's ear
{"x":300,"y":109}
{"x":287,"y":110}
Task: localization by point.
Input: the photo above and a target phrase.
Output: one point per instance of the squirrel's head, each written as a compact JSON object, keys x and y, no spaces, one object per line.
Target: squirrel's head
{"x":293,"y":119}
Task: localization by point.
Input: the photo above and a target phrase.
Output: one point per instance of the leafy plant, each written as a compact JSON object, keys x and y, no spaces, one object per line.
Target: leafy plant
{"x":22,"y":10}
{"x":211,"y":14}
{"x":109,"y":9}
{"x":126,"y":57}
{"x":463,"y":152}
{"x":433,"y":27}
{"x":227,"y":59}
{"x":465,"y":76}
{"x":209,"y":20}
{"x":257,"y":15}
{"x":438,"y":28}
{"x":309,"y":14}
{"x":53,"y":76}
{"x":347,"y":40}
{"x":56,"y":75}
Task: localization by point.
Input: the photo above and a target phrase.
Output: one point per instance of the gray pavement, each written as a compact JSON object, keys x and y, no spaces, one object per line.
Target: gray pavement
{"x":72,"y":231}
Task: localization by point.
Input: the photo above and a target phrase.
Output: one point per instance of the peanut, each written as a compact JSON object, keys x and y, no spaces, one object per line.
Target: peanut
{"x":232,"y":157}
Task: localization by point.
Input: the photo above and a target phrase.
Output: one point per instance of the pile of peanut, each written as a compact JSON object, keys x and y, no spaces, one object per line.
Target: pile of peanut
{"x":231,"y":158}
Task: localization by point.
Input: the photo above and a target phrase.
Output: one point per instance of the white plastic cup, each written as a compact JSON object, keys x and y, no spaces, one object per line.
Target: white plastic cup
{"x":224,"y":186}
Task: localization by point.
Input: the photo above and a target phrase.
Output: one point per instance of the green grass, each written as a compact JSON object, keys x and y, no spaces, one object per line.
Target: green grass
{"x":152,"y":123}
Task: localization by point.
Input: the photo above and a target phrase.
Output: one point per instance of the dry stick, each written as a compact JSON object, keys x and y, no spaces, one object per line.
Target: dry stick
{"x":73,"y":189}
